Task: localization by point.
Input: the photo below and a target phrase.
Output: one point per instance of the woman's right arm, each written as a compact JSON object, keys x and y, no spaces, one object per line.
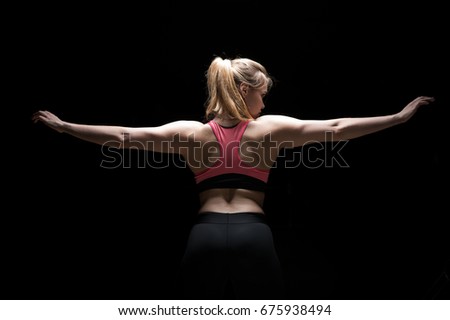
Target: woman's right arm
{"x":165,"y":138}
{"x":294,"y":132}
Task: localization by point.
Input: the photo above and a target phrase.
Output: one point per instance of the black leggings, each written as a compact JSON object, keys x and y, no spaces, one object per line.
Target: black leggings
{"x":231,"y":249}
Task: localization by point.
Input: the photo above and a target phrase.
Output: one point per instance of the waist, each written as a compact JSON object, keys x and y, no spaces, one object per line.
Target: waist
{"x":234,"y":180}
{"x":231,"y":200}
{"x":226,"y":218}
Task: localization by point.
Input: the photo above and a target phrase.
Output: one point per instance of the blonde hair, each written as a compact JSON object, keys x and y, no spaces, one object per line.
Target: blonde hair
{"x":223,"y":79}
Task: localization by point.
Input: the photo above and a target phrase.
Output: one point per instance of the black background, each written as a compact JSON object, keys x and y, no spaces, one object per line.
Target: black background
{"x":373,"y":230}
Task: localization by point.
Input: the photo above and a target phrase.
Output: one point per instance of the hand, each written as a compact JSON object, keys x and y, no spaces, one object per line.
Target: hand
{"x":49,"y":119}
{"x":413,"y":106}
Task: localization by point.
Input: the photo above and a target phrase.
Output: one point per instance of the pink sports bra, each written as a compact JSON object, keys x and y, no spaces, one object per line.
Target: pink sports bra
{"x":229,"y":171}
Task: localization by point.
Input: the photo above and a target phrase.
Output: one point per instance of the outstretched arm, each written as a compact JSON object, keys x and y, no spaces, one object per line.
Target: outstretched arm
{"x":160,"y":139}
{"x":299,"y":132}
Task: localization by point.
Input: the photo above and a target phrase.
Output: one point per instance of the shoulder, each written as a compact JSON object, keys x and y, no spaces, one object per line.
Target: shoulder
{"x":193,"y":129}
{"x":273,"y":123}
{"x":276,"y":119}
{"x":180,"y":128}
{"x":281,"y":130}
{"x":189,"y":124}
{"x":184,"y":126}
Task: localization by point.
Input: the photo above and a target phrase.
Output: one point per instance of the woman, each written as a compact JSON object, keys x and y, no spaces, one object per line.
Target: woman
{"x":231,"y":155}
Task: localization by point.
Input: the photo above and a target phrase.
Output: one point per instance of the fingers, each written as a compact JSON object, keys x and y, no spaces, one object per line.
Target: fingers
{"x":39,"y":115}
{"x":36,"y":116}
{"x":422,"y":100}
{"x":425,"y":98}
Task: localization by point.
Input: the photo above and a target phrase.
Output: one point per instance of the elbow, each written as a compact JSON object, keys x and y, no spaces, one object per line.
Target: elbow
{"x":119,"y":141}
{"x":123,"y":140}
{"x":127,"y":141}
{"x":346,"y":132}
{"x":338,"y":133}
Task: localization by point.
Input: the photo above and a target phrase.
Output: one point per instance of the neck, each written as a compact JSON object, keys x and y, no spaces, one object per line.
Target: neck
{"x":226,"y":120}
{"x":225,"y":116}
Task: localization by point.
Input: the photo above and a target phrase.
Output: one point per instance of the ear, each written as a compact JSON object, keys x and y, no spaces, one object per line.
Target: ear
{"x":243,"y":87}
